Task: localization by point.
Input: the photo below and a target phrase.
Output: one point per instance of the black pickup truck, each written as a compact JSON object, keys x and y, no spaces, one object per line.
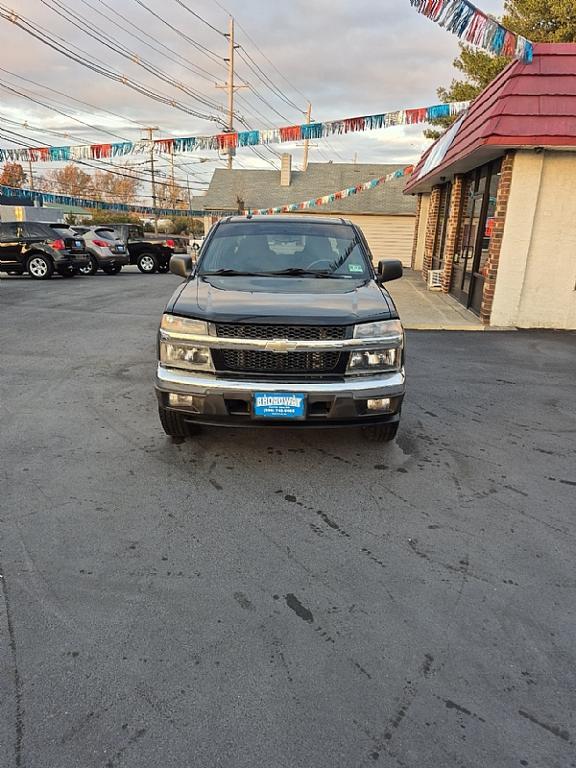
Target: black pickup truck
{"x":150,"y":253}
{"x":283,"y":322}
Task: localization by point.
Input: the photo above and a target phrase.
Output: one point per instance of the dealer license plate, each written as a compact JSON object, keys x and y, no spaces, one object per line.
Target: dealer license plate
{"x":279,"y":405}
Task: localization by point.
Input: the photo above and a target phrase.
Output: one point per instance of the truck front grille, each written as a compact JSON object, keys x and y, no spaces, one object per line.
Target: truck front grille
{"x":278,"y":363}
{"x":292,"y":332}
{"x":275,"y":362}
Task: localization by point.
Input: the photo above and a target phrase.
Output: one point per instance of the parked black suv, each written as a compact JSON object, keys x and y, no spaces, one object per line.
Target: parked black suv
{"x":283,"y":322}
{"x":27,"y":246}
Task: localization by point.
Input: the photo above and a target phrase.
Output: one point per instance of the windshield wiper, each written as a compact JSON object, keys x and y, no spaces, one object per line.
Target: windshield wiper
{"x":298,"y":272}
{"x":232,"y":272}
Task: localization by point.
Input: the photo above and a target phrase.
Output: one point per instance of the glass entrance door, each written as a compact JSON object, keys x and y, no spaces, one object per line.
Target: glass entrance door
{"x":475,"y":231}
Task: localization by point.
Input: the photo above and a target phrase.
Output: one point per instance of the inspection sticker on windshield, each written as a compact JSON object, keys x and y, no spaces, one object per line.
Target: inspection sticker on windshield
{"x":279,"y":405}
{"x":355,"y":268}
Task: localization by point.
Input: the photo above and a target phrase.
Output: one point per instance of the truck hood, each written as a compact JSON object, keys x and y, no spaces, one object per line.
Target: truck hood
{"x":282,"y":300}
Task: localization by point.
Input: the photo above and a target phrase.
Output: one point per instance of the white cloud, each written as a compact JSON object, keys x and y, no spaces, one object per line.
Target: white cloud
{"x":347,"y":58}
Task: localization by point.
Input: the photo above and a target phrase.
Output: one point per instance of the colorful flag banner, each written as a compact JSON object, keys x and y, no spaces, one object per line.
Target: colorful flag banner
{"x":223,"y":141}
{"x":82,"y":202}
{"x":470,"y":24}
{"x":325,"y":199}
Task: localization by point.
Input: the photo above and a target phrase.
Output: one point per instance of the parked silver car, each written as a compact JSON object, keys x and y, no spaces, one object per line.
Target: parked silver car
{"x":106,"y":251}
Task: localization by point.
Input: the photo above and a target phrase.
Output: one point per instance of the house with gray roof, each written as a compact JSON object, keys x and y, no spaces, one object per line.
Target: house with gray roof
{"x":386,"y":216}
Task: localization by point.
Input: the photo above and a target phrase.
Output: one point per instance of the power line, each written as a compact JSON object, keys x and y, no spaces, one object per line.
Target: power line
{"x":263,"y":77}
{"x":30,"y":29}
{"x":41,"y":103}
{"x":88,"y":164}
{"x":71,"y":98}
{"x":200,"y":18}
{"x":103,"y":38}
{"x":196,"y":68}
{"x":202,"y":48}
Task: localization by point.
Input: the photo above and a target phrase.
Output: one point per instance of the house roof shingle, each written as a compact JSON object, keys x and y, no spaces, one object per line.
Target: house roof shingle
{"x":527,"y":105}
{"x":261,"y":189}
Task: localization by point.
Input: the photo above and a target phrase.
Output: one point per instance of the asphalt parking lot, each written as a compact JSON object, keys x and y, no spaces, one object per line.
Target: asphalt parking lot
{"x":280,"y":599}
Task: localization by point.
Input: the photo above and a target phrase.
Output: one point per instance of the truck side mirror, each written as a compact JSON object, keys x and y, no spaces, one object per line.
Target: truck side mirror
{"x":389,"y":269}
{"x":182,"y":266}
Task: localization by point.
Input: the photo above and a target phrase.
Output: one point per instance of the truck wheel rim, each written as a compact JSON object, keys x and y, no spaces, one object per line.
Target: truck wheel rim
{"x":38,"y":267}
{"x":147,"y":263}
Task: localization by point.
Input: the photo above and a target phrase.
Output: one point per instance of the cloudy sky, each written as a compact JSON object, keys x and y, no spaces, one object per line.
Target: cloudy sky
{"x":346,"y":58}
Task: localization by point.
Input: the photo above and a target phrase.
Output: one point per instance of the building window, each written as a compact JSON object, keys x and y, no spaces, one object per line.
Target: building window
{"x":443,"y":214}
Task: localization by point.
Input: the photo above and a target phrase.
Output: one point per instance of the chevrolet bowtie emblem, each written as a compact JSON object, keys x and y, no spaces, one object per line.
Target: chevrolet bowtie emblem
{"x":281,"y":345}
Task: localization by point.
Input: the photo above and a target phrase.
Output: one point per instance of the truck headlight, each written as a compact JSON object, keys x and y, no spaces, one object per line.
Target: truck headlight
{"x":388,"y":356}
{"x":183,"y":325}
{"x":177,"y":344}
{"x":187,"y":356}
{"x":375,"y":360}
{"x":387,"y":330}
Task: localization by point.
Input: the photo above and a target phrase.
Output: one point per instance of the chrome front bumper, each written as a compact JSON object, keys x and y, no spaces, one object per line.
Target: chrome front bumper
{"x":220,"y":400}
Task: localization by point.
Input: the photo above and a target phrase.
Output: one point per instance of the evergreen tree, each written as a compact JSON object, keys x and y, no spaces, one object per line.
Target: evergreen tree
{"x":537,"y":20}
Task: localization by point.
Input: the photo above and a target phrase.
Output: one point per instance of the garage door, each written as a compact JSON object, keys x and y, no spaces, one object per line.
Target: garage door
{"x":389,"y":237}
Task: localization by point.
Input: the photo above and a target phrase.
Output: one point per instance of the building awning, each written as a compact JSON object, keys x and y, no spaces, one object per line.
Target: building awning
{"x":526,"y":106}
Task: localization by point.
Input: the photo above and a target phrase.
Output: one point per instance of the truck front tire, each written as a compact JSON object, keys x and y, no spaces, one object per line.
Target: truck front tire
{"x":381,"y":433}
{"x":174,"y":424}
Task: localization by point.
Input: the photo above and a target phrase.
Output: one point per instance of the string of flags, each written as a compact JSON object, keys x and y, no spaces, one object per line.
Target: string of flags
{"x":470,"y":24}
{"x":81,"y":202}
{"x":232,"y":140}
{"x":30,"y":195}
{"x":341,"y":195}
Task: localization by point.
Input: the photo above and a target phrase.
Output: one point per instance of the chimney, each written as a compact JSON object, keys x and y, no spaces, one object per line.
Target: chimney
{"x":286,"y":170}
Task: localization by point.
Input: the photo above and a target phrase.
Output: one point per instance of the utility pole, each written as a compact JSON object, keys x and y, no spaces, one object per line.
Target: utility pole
{"x":230,"y":87}
{"x":230,"y":84}
{"x":31,"y":174}
{"x":189,"y":193}
{"x":173,"y":180}
{"x":150,"y":132}
{"x":307,"y":141}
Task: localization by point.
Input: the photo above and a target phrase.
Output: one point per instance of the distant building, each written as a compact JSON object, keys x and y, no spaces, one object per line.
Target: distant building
{"x":28,"y":212}
{"x":385,"y":215}
{"x":497,"y":198}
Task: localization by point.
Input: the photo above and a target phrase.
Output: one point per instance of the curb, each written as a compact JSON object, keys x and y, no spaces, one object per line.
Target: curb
{"x":452,"y":327}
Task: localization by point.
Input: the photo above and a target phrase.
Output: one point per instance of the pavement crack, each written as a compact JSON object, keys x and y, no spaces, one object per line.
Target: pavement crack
{"x":561,"y":733}
{"x":19,"y":718}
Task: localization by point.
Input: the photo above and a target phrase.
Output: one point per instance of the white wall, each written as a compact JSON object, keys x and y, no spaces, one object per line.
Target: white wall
{"x":389,"y":237}
{"x":536,"y":283}
{"x":422,"y":223}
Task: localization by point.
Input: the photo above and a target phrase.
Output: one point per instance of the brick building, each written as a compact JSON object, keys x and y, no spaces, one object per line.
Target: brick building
{"x":496,"y":223}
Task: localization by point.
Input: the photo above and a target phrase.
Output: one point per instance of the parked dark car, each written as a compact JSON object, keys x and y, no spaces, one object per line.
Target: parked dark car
{"x":39,"y":250}
{"x":150,"y":253}
{"x":283,"y":322}
{"x":107,"y":252}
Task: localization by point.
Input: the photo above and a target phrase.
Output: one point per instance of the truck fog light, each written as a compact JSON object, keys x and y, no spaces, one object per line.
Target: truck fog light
{"x":379,"y":404}
{"x":184,"y":401}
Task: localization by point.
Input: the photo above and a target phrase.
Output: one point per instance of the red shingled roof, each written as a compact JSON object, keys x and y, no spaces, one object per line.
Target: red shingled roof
{"x":527,"y":105}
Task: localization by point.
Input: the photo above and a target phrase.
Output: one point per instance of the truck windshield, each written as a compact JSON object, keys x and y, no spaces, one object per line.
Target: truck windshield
{"x":285,"y":249}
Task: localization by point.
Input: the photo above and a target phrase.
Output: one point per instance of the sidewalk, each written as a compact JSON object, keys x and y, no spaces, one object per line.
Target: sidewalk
{"x":424,"y":310}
